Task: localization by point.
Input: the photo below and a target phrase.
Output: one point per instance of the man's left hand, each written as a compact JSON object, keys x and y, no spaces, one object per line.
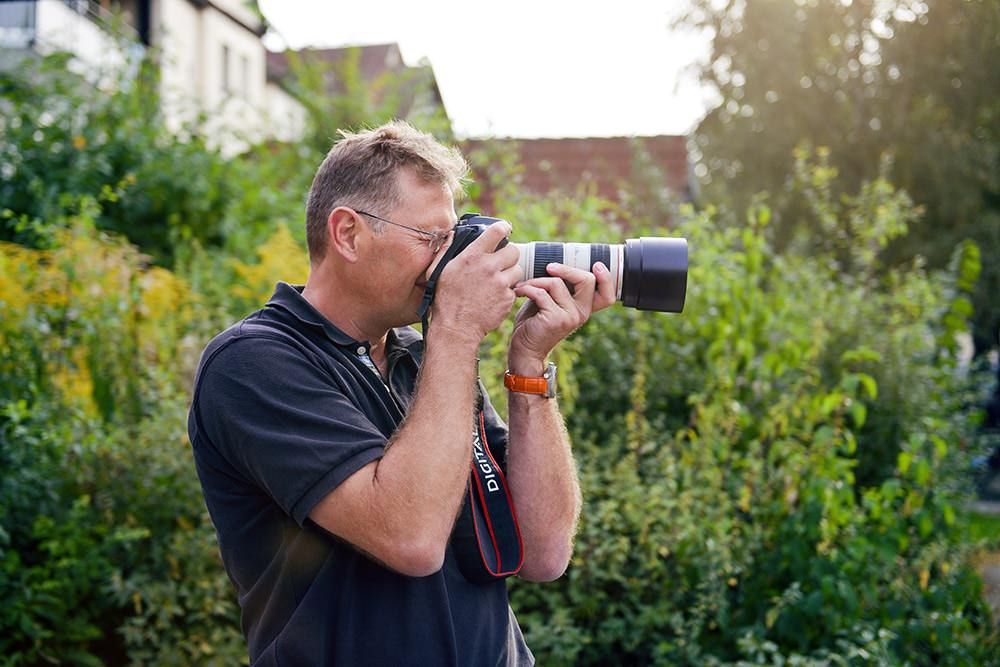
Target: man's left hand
{"x":558,"y":306}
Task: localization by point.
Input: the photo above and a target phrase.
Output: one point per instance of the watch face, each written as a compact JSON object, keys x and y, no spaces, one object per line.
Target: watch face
{"x":550,"y":375}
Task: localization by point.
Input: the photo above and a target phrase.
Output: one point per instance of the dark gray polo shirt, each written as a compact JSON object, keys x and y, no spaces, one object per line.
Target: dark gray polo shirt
{"x":286,"y":406}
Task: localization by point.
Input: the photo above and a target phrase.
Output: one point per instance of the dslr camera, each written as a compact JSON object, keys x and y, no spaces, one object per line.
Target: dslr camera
{"x":650,"y":273}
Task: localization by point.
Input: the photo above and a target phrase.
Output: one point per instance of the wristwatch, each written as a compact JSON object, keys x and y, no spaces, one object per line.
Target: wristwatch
{"x":540,"y":386}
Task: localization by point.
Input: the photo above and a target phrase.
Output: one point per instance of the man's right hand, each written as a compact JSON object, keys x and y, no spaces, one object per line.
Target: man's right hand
{"x":475,"y":291}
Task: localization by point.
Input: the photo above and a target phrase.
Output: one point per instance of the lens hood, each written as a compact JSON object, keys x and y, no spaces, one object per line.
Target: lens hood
{"x":655,"y":274}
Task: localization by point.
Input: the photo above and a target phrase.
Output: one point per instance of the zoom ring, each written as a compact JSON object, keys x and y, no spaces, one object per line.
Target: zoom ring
{"x":600,"y":252}
{"x":546,"y":253}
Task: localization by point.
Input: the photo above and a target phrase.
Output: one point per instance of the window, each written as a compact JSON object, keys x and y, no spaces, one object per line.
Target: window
{"x":245,"y":76}
{"x":226,"y":84}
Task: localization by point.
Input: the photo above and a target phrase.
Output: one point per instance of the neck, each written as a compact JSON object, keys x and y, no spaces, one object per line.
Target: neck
{"x":341,"y":310}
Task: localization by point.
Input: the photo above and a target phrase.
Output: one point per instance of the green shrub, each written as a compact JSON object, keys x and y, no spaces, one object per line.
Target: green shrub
{"x":770,"y":476}
{"x":107,"y":555}
{"x":62,"y":138}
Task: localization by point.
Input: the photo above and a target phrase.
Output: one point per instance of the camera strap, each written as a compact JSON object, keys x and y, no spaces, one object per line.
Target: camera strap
{"x":487,"y":537}
{"x":425,"y":305}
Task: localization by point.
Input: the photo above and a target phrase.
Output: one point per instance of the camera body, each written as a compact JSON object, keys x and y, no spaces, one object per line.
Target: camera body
{"x":468,"y":229}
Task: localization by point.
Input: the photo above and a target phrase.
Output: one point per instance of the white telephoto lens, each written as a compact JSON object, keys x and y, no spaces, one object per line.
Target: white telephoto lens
{"x":535,"y":256}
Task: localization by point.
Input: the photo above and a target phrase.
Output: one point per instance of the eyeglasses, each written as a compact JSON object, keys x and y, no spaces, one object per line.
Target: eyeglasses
{"x":435,"y":240}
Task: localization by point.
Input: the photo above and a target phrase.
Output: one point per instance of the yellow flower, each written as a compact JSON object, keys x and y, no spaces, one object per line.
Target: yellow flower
{"x":74,"y":380}
{"x":281,"y":258}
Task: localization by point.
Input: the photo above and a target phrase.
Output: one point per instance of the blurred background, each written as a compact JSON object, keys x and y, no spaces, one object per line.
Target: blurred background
{"x":798,"y":469}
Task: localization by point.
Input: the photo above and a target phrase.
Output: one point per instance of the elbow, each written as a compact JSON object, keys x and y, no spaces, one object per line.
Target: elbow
{"x":542,"y":572}
{"x":418,"y":558}
{"x":547,"y":566}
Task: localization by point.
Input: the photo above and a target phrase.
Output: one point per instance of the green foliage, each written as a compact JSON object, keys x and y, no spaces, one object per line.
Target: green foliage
{"x":337,"y":95}
{"x":62,"y":138}
{"x":106,"y":553}
{"x":769,"y":476}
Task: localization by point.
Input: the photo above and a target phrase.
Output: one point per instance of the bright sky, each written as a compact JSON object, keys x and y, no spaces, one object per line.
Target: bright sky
{"x":525,"y":68}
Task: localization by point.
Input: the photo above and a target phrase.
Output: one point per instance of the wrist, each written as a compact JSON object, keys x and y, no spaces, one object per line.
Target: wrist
{"x":521,"y":363}
{"x":545,"y":385}
{"x":457,"y":340}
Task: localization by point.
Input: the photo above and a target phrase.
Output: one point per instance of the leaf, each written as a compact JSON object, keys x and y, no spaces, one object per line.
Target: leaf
{"x":949,"y":514}
{"x":925,"y":524}
{"x":870,"y":385}
{"x":940,"y":447}
{"x":858,"y":413}
{"x":923,"y":472}
{"x":830,"y":402}
{"x":903,"y":462}
{"x":861,"y":354}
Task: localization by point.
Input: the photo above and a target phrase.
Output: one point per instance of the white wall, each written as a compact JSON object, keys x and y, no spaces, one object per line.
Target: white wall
{"x":98,"y":56}
{"x":176,"y":32}
{"x":193,"y":43}
{"x":196,"y":76}
{"x":286,"y":117}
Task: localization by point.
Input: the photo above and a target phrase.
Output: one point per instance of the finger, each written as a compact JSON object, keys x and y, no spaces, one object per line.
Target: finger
{"x":506,"y":256}
{"x":581,"y":285}
{"x":490,"y":238}
{"x":557,"y":291}
{"x":605,"y":287}
{"x":528,"y":310}
{"x":513,"y":275}
{"x":538,"y":295}
{"x":581,"y":282}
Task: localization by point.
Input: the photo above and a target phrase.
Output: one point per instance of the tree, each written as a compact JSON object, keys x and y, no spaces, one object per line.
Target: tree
{"x":912,"y":80}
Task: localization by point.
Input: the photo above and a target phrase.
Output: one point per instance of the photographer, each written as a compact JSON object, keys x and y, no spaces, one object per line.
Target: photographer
{"x":334,"y":445}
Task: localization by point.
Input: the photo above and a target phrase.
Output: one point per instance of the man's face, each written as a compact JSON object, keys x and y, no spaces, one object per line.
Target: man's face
{"x":399,"y":259}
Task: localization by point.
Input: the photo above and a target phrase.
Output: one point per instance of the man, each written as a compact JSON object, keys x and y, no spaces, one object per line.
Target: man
{"x":333,"y":444}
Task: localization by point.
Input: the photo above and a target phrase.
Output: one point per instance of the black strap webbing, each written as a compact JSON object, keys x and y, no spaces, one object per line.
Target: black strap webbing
{"x":487,"y":538}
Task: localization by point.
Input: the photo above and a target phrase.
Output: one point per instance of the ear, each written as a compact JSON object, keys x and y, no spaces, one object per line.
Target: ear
{"x":342,"y":230}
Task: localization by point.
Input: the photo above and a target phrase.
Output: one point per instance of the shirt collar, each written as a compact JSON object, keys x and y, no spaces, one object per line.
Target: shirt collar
{"x":289,"y":298}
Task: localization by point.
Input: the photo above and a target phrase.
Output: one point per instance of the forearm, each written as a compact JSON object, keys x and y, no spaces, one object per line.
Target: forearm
{"x":542,"y":476}
{"x":420,"y":481}
{"x":401,"y":508}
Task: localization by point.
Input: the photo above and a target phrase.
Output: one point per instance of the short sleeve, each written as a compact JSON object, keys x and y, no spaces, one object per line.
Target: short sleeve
{"x":280,"y":420}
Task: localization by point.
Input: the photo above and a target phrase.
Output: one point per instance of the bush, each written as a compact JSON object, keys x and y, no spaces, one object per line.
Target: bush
{"x":106,"y":551}
{"x":62,"y":138}
{"x":770,"y":476}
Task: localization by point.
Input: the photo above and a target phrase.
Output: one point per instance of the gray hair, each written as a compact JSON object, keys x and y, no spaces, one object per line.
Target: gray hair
{"x":361,"y":171}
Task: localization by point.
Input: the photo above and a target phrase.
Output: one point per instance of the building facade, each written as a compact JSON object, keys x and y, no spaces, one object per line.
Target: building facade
{"x":211,"y":57}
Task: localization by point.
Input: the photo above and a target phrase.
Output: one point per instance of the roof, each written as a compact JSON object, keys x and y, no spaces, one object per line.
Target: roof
{"x":608,"y":162}
{"x":374,"y":60}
